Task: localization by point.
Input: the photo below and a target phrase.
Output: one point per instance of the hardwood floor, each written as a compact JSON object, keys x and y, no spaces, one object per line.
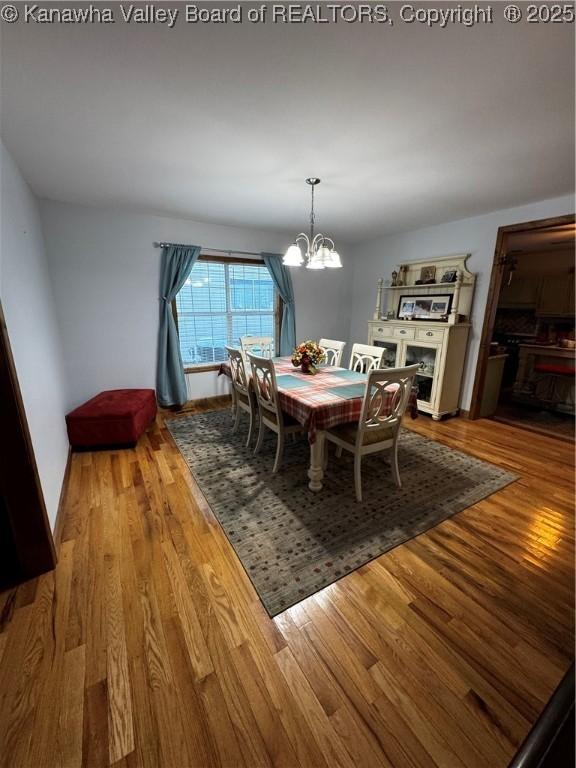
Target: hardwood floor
{"x":149,"y":647}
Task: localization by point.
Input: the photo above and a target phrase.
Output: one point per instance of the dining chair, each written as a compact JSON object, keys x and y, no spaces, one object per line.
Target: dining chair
{"x":271,"y":416}
{"x":244,"y":399}
{"x":385,"y":401}
{"x":365,"y":358}
{"x":263,"y":346}
{"x":334,"y":351}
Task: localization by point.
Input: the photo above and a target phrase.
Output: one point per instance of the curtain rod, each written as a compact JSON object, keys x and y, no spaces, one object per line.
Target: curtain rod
{"x":229,"y":251}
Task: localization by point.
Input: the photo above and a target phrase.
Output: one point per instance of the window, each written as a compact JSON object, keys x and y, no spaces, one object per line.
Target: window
{"x":220,"y":301}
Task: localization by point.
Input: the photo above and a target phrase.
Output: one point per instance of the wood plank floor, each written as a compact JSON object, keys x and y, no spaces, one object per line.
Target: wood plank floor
{"x":149,"y":647}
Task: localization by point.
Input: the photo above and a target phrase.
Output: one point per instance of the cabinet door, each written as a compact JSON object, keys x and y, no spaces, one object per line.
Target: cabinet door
{"x":522,"y":292}
{"x":391,"y":357}
{"x":555,"y":295}
{"x":427,"y":356}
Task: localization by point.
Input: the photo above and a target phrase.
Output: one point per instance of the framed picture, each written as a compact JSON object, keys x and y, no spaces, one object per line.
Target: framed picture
{"x":427,"y":274}
{"x":449,"y":276}
{"x":434,"y":307}
{"x":406,"y":308}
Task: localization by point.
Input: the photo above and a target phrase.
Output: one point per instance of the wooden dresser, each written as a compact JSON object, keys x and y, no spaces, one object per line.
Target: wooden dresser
{"x":437,"y":346}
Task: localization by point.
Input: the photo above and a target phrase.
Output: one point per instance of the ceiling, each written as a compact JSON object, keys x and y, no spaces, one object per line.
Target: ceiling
{"x":407,"y":126}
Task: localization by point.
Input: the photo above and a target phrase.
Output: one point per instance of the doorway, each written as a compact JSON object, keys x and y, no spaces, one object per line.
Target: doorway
{"x":26,"y":543}
{"x":526,"y":364}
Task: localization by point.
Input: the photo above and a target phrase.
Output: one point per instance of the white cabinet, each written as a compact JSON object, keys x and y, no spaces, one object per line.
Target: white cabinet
{"x":439,"y":349}
{"x":437,"y":345}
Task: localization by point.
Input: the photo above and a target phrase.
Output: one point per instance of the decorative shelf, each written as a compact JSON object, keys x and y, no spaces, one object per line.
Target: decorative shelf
{"x":460,"y":290}
{"x":426,"y":285}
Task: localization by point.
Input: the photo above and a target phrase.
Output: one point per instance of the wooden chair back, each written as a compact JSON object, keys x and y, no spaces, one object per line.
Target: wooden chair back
{"x":264,"y":382}
{"x":334,"y":350}
{"x":262,"y":346}
{"x":240,"y":380}
{"x":365,"y":358}
{"x":386,"y":399}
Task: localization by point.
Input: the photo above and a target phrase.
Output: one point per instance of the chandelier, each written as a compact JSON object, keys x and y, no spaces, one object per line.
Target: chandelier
{"x":320,"y":250}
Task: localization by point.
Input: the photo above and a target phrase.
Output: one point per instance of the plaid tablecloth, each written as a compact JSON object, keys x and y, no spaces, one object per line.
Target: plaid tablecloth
{"x":316,"y":406}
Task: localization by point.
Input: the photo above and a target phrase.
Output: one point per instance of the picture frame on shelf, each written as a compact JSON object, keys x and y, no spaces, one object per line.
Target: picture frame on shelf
{"x":449,"y":276}
{"x":406,"y":308}
{"x":427,"y":275}
{"x":435,"y":307}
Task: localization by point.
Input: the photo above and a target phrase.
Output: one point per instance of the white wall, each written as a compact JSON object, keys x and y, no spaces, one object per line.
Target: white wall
{"x":27,"y":300}
{"x":476,"y":236}
{"x":105,"y":273}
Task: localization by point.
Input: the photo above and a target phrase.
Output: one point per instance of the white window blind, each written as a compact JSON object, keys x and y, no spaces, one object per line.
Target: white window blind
{"x":220,"y":302}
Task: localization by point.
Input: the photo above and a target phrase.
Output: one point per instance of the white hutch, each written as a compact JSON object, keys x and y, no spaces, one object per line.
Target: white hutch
{"x":427,"y":324}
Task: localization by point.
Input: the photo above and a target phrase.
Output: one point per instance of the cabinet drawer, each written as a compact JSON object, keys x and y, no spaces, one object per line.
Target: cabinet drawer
{"x":382,"y":332}
{"x":429,"y":335}
{"x":404,"y":333}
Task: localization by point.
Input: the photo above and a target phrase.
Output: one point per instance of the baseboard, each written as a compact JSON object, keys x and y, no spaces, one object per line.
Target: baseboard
{"x":203,"y":404}
{"x":464,"y":414}
{"x":60,"y":514}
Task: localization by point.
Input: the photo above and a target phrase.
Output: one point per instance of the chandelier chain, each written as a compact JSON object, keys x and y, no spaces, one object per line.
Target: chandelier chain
{"x":312,"y":216}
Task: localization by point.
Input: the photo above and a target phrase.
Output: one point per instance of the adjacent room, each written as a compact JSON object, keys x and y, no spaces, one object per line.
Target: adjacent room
{"x":531,"y":362}
{"x":287,"y":360}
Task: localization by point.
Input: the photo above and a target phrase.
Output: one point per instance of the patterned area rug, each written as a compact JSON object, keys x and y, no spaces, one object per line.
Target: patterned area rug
{"x":292,"y":542}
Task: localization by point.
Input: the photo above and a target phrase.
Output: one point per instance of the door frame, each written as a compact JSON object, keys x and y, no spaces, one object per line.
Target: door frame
{"x":497,"y":272}
{"x":22,"y":501}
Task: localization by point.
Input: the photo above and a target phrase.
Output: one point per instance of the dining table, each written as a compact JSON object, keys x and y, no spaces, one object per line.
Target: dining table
{"x":324,"y":400}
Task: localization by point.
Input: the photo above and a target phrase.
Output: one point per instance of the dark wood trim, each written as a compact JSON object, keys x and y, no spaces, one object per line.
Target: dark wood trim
{"x":230,"y":259}
{"x":494,"y":293}
{"x":550,"y":742}
{"x":279,"y":314}
{"x":25,"y":520}
{"x":202,"y":368}
{"x":214,"y":403}
{"x":61,"y":513}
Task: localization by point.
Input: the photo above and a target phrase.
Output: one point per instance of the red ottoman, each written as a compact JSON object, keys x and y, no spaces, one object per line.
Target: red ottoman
{"x":116,"y":417}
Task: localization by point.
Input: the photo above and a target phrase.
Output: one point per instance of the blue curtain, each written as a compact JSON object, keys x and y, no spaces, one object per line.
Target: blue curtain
{"x":177,"y":262}
{"x":283,"y":283}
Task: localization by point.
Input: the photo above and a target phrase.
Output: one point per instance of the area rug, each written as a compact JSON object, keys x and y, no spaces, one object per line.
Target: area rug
{"x":292,"y":542}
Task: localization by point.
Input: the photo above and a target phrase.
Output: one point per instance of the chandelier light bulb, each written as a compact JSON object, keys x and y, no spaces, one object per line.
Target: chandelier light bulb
{"x":335,"y":261}
{"x":324,"y":254}
{"x":293,"y":256}
{"x":315,"y":262}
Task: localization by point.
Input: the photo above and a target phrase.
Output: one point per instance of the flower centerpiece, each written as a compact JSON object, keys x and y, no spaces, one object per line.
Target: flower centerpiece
{"x":308,"y":356}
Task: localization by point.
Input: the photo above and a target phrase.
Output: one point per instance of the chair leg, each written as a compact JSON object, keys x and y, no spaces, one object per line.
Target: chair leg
{"x":260,"y":435}
{"x":358,"y":475}
{"x":237,"y":419}
{"x":279,"y":452}
{"x":250,"y":428}
{"x":339,"y":452}
{"x":394,"y":465}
